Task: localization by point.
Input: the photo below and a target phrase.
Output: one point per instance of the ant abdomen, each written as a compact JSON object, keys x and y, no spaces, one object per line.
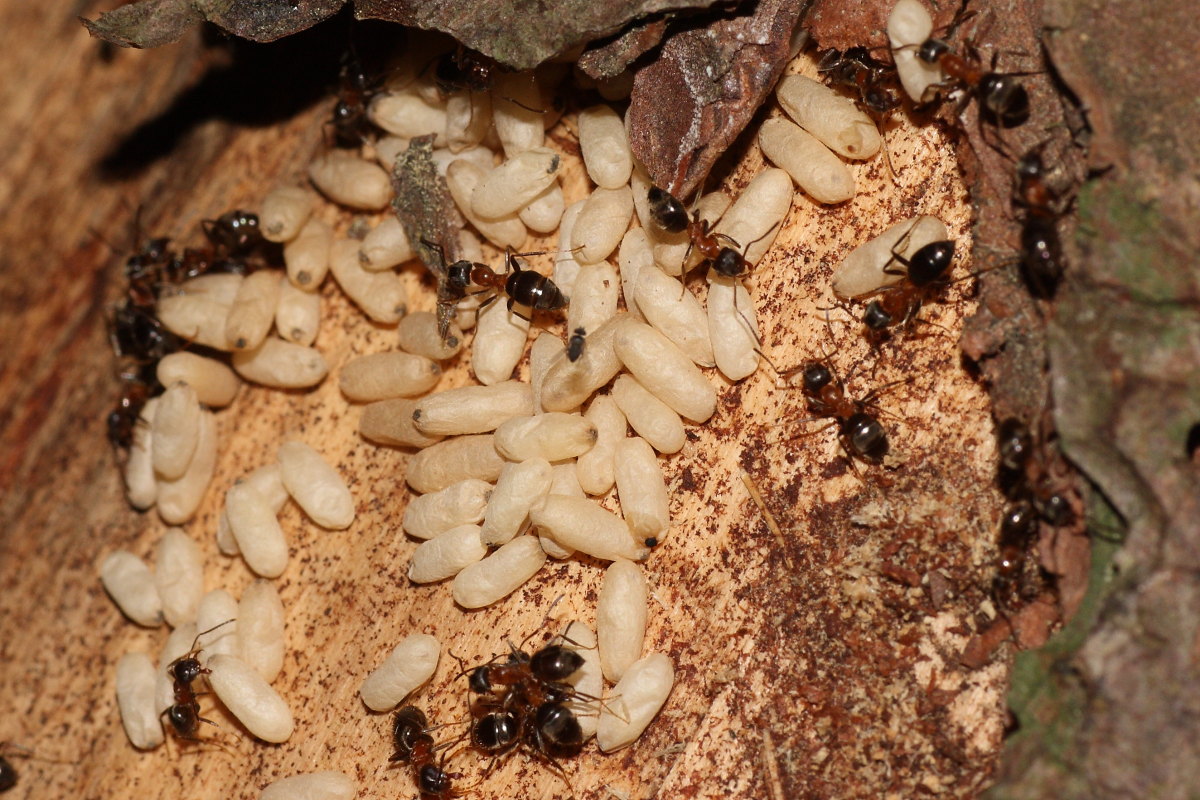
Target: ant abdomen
{"x":866,"y":436}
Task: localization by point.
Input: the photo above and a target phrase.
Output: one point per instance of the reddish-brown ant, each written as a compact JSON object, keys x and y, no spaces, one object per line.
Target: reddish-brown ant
{"x":350,"y":124}
{"x":522,"y":287}
{"x":717,"y":248}
{"x":464,"y":69}
{"x":874,"y":82}
{"x":1041,"y":248}
{"x":414,"y":746}
{"x":184,"y":714}
{"x":861,"y":433}
{"x":923,"y":275}
{"x":1003,"y":100}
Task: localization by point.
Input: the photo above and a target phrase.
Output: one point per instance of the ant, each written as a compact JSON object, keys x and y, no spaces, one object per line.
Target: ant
{"x":576,"y":344}
{"x":122,"y":420}
{"x":923,"y":276}
{"x":234,"y":233}
{"x":668,"y":212}
{"x":1002,"y":98}
{"x":349,"y":121}
{"x":1041,"y":248}
{"x":856,"y":69}
{"x":464,"y":69}
{"x":523,"y":287}
{"x":184,"y":714}
{"x":414,"y":745}
{"x":861,"y":433}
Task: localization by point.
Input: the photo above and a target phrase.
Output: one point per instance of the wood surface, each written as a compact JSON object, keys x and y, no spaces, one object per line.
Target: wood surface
{"x":804,"y":666}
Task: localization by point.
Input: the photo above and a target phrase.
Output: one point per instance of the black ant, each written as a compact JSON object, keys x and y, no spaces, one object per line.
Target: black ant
{"x":464,"y":69}
{"x":414,"y":745}
{"x":923,"y":276}
{"x":523,"y":287}
{"x":668,"y":212}
{"x":861,"y":433}
{"x":1002,"y":98}
{"x":138,"y":387}
{"x":184,"y":714}
{"x":576,"y":344}
{"x":1041,"y":248}
{"x":234,"y":233}
{"x":349,"y":121}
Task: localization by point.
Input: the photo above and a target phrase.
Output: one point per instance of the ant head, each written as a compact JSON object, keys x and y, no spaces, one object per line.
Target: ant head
{"x":186,"y":670}
{"x":930,"y":263}
{"x":729,"y":263}
{"x":931,"y":50}
{"x":875,"y":318}
{"x":458,"y":274}
{"x":555,"y":663}
{"x":866,"y":435}
{"x":1004,"y":99}
{"x":816,"y":377}
{"x":880,"y":100}
{"x":1018,"y":524}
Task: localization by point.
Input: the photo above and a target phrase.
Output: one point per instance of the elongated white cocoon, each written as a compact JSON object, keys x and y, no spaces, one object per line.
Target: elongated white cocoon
{"x":462,"y":503}
{"x":756,"y":217}
{"x":214,"y":383}
{"x":307,"y":256}
{"x":515,"y":100}
{"x":812,"y":165}
{"x":454,"y":460}
{"x":250,"y":698}
{"x":519,"y":487}
{"x":642,"y":489}
{"x":380,"y":295}
{"x":386,"y":246}
{"x":468,"y":119}
{"x":664,"y":370}
{"x":500,"y":574}
{"x":380,"y":376}
{"x":552,"y":436}
{"x":473,"y":409}
{"x":621,"y":617}
{"x":179,"y":499}
{"x":329,"y":785}
{"x":260,"y":629}
{"x":135,"y":698}
{"x":350,"y":181}
{"x":581,"y":524}
{"x":654,"y":420}
{"x":908,"y":26}
{"x":829,"y":116}
{"x":418,"y":334}
{"x":675,"y":313}
{"x":217,"y":609}
{"x":130,"y":583}
{"x":253,"y":311}
{"x":281,"y":365}
{"x":569,"y":383}
{"x":141,"y":487}
{"x":633,"y":702}
{"x":605,"y":147}
{"x":588,"y":680}
{"x":566,"y":268}
{"x":543,"y":212}
{"x":594,"y":469}
{"x":545,"y":350}
{"x":408,"y":115}
{"x":515,"y":183}
{"x":447,"y":555}
{"x":732,"y":327}
{"x":284,"y":212}
{"x":410,"y":664}
{"x":316,"y":486}
{"x":297,"y":314}
{"x":634,"y":255}
{"x":601,"y":223}
{"x":862,"y":271}
{"x":178,"y":576}
{"x":594,"y":301}
{"x":499,"y":343}
{"x":176,"y":431}
{"x":390,"y":422}
{"x":199,"y":319}
{"x":463,"y":177}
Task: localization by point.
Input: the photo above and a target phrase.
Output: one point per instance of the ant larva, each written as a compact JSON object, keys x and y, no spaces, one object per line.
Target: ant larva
{"x":184,"y":714}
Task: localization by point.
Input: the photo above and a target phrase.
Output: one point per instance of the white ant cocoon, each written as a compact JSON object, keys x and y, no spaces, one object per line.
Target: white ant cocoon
{"x":500,"y":574}
{"x":633,"y":702}
{"x":350,"y":181}
{"x":410,"y":664}
{"x":386,"y":246}
{"x":665,"y":370}
{"x":454,"y":460}
{"x":284,"y":212}
{"x":260,"y":629}
{"x":674,"y":312}
{"x":552,"y":436}
{"x":569,"y":383}
{"x":215,"y":383}
{"x":499,"y":343}
{"x":519,"y":123}
{"x":642,"y":489}
{"x":250,"y":698}
{"x":594,"y":300}
{"x":515,"y":183}
{"x":176,"y":431}
{"x":390,"y":422}
{"x":446,"y":555}
{"x":382,"y":376}
{"x":218,"y":609}
{"x":543,"y":212}
{"x":328,"y":785}
{"x":380,"y":295}
{"x":408,"y":115}
{"x":307,"y":256}
{"x":461,"y":503}
{"x":829,"y":116}
{"x":732,"y":327}
{"x":141,"y":487}
{"x":621,"y":617}
{"x":418,"y":333}
{"x":651,"y":418}
{"x":473,"y":409}
{"x":253,"y":311}
{"x":602,"y":222}
{"x":519,"y":487}
{"x":297,"y":314}
{"x":135,"y":700}
{"x":605,"y":147}
{"x":130,"y":583}
{"x":281,"y":365}
{"x":316,"y":486}
{"x":757,"y":215}
{"x":579,"y":523}
{"x":178,"y":576}
{"x":179,"y":499}
{"x":595,"y":468}
{"x":812,"y":165}
{"x":462,"y":177}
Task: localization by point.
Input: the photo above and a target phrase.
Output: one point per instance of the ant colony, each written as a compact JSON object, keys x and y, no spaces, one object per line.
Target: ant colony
{"x":507,"y":460}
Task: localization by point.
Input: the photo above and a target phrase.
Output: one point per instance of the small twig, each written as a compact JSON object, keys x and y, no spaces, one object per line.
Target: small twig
{"x":768,"y":516}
